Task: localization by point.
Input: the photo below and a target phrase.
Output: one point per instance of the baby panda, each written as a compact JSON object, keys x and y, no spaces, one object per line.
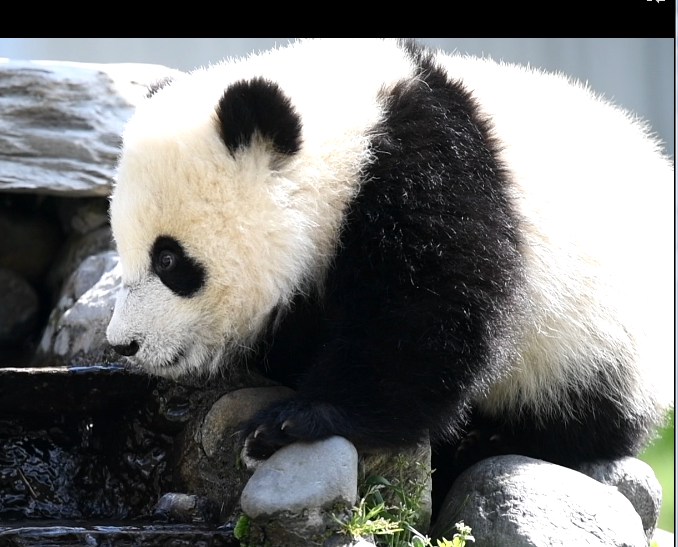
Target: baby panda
{"x":419,"y":243}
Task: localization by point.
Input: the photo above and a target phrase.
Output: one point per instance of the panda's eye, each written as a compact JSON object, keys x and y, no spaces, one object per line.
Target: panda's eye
{"x":178,"y":271}
{"x":167,"y":261}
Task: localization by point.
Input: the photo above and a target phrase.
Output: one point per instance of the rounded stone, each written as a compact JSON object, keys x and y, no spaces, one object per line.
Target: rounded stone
{"x":303,"y":476}
{"x":636,"y":481}
{"x":232,"y":410}
{"x":514,"y":501}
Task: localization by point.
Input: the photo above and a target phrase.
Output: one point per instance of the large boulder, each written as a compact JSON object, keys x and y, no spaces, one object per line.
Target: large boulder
{"x":514,"y":501}
{"x":60,"y":123}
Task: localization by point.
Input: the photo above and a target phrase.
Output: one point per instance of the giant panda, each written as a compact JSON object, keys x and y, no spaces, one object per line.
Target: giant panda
{"x":418,"y":243}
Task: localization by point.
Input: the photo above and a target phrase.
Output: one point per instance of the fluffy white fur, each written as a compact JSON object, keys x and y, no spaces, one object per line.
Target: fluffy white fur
{"x":594,"y":192}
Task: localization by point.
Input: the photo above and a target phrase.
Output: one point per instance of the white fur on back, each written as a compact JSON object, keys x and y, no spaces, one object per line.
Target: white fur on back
{"x":596,"y":199}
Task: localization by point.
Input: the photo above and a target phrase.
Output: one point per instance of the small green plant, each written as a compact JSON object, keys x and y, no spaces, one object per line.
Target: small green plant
{"x":392,"y":522}
{"x":368,"y":519}
{"x":242,"y":527}
{"x":460,"y":538}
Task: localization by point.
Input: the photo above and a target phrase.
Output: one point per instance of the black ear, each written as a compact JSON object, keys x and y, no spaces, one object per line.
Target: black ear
{"x":258,"y":106}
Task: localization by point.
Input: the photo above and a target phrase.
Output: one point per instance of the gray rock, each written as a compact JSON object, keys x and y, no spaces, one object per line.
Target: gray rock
{"x":82,"y":215}
{"x":185,"y":508}
{"x":636,"y":480}
{"x":77,"y":326}
{"x":294,"y":495}
{"x":303,"y":476}
{"x":231,"y":411}
{"x":514,"y":501}
{"x":76,"y":249}
{"x":18,"y":307}
{"x":60,"y":123}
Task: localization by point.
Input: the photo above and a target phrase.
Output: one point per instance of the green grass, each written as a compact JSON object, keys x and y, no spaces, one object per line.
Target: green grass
{"x":390,"y":523}
{"x":660,"y":455}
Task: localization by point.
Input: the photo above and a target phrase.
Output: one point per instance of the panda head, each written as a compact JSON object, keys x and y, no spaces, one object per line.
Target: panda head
{"x":203,"y":216}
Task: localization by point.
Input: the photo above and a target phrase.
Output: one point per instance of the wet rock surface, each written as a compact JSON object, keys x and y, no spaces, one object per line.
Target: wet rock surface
{"x":80,"y":444}
{"x":98,"y":444}
{"x":186,"y":508}
{"x":115,"y":535}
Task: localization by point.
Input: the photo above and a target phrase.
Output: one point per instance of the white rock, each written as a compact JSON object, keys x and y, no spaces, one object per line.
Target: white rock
{"x":302,"y":477}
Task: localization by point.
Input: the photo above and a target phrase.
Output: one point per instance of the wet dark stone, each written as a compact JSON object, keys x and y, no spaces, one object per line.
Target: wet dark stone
{"x":85,"y":445}
{"x":107,"y":535}
{"x":80,"y":444}
{"x":185,"y":508}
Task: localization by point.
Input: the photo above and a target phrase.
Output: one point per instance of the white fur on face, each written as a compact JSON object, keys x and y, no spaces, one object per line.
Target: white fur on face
{"x":176,"y":344}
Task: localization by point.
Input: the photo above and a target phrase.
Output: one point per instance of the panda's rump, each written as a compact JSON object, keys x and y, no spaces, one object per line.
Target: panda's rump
{"x":592,"y":192}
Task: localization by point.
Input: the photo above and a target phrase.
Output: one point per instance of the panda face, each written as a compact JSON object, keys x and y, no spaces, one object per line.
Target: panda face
{"x":194,"y":209}
{"x":219,"y":217}
{"x":228,"y":203}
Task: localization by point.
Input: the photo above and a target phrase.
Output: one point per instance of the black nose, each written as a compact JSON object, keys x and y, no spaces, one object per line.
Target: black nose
{"x":128,"y":350}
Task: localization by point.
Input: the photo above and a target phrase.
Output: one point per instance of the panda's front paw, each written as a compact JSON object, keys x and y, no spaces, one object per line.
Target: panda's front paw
{"x":261,"y":443}
{"x":288,"y":421}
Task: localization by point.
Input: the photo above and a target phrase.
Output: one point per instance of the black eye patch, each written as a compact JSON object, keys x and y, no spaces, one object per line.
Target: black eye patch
{"x":180,"y":273}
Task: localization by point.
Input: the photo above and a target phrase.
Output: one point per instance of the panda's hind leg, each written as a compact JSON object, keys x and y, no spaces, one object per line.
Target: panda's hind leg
{"x":594,"y":427}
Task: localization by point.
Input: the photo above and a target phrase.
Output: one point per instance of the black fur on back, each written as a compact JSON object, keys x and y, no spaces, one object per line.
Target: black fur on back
{"x":416,"y":309}
{"x":429,"y":270}
{"x":258,"y":106}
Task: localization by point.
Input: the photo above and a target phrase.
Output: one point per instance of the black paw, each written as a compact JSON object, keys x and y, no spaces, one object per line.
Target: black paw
{"x":479,"y":444}
{"x":288,"y":421}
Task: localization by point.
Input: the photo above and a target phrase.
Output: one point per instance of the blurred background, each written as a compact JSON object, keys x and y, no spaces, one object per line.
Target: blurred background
{"x":637,"y":74}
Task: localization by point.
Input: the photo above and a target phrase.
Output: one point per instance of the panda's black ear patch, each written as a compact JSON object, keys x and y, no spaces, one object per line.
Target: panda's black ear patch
{"x":258,"y":106}
{"x":180,"y":273}
{"x":158,"y":85}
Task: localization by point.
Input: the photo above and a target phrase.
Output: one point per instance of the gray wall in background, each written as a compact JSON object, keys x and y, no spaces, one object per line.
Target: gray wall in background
{"x":637,"y":74}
